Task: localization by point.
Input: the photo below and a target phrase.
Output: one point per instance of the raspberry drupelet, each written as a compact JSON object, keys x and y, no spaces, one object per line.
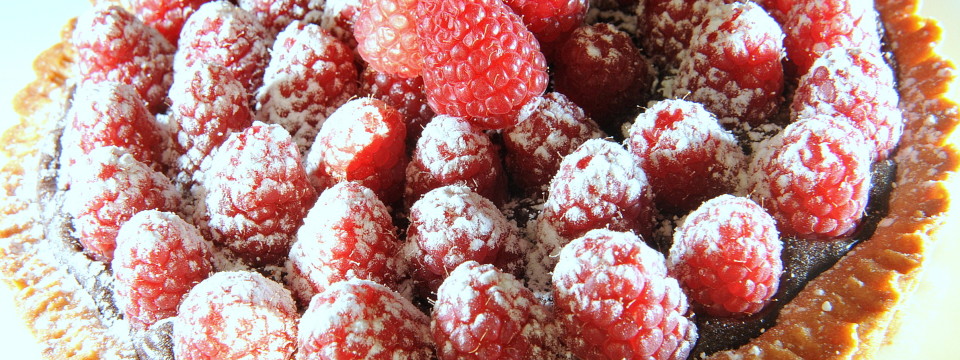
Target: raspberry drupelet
{"x":614,"y":300}
{"x":814,"y":178}
{"x":687,"y":156}
{"x":363,"y":141}
{"x":310,"y":75}
{"x":275,"y":15}
{"x":236,"y":315}
{"x":734,"y":65}
{"x":159,"y":258}
{"x":112,"y":188}
{"x":113,"y":45}
{"x":404,"y":94}
{"x":814,"y":26}
{"x":726,"y":256}
{"x":363,"y":320}
{"x":387,"y":38}
{"x":347,"y":234}
{"x":254,"y":194}
{"x":166,"y":16}
{"x":484,"y":313}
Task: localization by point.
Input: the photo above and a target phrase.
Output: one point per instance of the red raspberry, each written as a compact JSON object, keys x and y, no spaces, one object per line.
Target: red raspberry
{"x":453,"y":151}
{"x":550,"y":21}
{"x":110,"y":114}
{"x":614,"y":300}
{"x":687,"y":156}
{"x":479,"y":60}
{"x":858,"y":86}
{"x":777,"y":9}
{"x":220,"y":32}
{"x":406,"y":95}
{"x":484,"y":313}
{"x":255,"y":194}
{"x":166,"y":16}
{"x":815,"y":26}
{"x":664,"y":28}
{"x":347,"y":234}
{"x":206,"y":104}
{"x":112,"y":188}
{"x":362,"y":141}
{"x":548,"y":128}
{"x":600,"y":69}
{"x":360,"y":319}
{"x":275,"y":15}
{"x":310,"y":75}
{"x":236,"y":315}
{"x":159,"y":258}
{"x":453,"y":224}
{"x":734,"y":65}
{"x":113,"y":45}
{"x":386,"y":32}
{"x":813,"y":177}
{"x":726,"y":256}
{"x":338,"y":19}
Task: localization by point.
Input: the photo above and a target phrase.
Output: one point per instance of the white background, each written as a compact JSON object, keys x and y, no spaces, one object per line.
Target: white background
{"x":27,"y":27}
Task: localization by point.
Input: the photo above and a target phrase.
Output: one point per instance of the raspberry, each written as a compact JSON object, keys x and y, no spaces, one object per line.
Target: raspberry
{"x":338,"y":19}
{"x":206,"y":104}
{"x":347,"y":234}
{"x":858,"y":86}
{"x":479,"y":60}
{"x":734,"y":65}
{"x":110,"y":114}
{"x":813,"y":177}
{"x":310,"y":75}
{"x":159,"y":258}
{"x":362,"y":141}
{"x":550,"y":21}
{"x":112,"y":188}
{"x":113,"y":45}
{"x":664,"y":28}
{"x":726,"y":256}
{"x":548,"y":128}
{"x":386,"y":32}
{"x":255,"y":194}
{"x":404,"y":94}
{"x":484,"y":313}
{"x":275,"y":15}
{"x":453,"y":224}
{"x":815,"y":26}
{"x":236,"y":315}
{"x":360,"y":319}
{"x":614,"y":300}
{"x":453,"y":151}
{"x":220,"y":32}
{"x":166,"y":16}
{"x":600,"y":69}
{"x":687,"y":156}
{"x":777,"y":9}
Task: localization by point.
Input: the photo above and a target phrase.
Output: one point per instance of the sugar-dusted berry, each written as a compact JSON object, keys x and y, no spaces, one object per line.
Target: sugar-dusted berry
{"x":347,"y":234}
{"x":112,"y":188}
{"x":309,"y":76}
{"x":404,"y":94}
{"x":664,"y":28}
{"x":733,"y":66}
{"x":814,"y":26}
{"x":166,"y":16}
{"x":451,"y":151}
{"x":614,"y":300}
{"x":550,"y":21}
{"x":338,"y":18}
{"x":548,"y":128}
{"x":275,"y":15}
{"x":236,"y":315}
{"x":254,"y":194}
{"x":479,"y":60}
{"x":687,"y":156}
{"x":726,"y":256}
{"x":813,"y":177}
{"x":855,"y":85}
{"x":363,"y":141}
{"x":482,"y":312}
{"x":113,"y":45}
{"x":159,"y":258}
{"x":387,"y":38}
{"x":360,"y":319}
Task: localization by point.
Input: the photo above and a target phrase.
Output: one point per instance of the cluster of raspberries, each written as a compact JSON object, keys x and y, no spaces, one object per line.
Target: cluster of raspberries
{"x":465,"y":178}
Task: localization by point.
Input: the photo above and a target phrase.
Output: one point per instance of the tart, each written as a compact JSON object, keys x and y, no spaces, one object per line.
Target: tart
{"x":848,"y":310}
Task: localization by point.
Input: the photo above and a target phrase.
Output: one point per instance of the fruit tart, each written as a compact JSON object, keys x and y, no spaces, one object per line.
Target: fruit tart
{"x":426,"y":179}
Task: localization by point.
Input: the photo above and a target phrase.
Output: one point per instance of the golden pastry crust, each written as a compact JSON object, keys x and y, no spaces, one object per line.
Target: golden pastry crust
{"x":846,"y":312}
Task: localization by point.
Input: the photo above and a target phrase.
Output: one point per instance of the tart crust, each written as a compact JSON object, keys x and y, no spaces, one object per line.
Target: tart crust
{"x":849,"y":311}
